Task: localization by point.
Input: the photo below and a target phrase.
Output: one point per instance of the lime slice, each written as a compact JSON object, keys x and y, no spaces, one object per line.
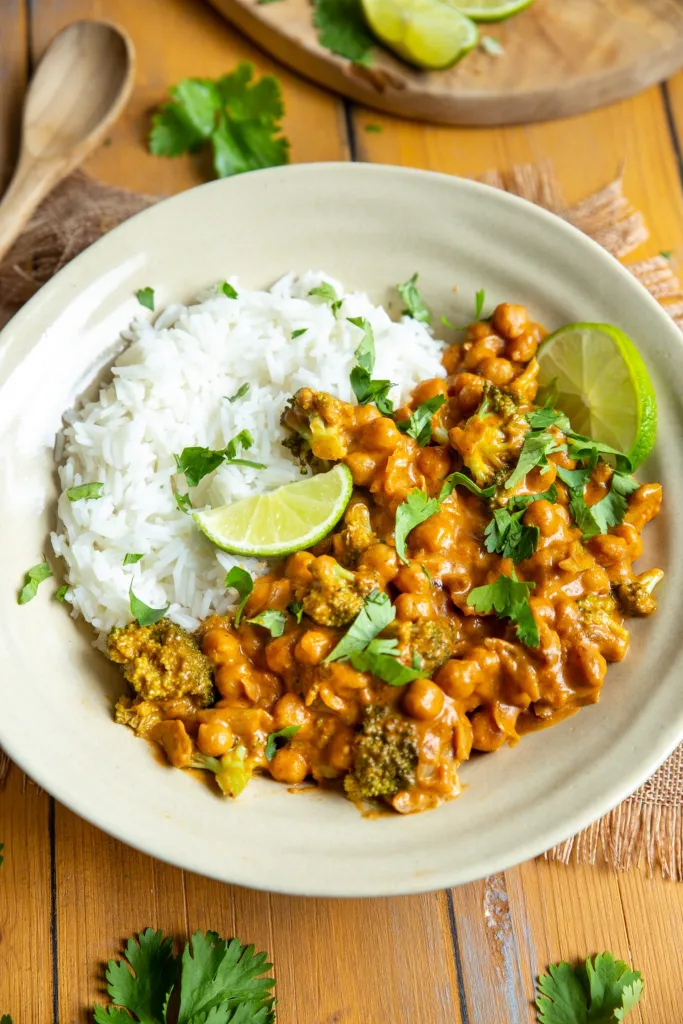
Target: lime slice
{"x":428,"y":33}
{"x":284,"y":520}
{"x":490,"y":10}
{"x":603,"y":386}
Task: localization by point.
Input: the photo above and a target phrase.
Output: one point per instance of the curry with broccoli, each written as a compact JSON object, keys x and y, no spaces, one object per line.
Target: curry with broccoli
{"x":477,"y":587}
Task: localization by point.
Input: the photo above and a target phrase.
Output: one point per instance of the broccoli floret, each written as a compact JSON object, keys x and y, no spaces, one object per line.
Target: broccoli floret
{"x":425,"y":644}
{"x":162,"y":662}
{"x":495,"y":400}
{"x":601,"y":625}
{"x":232,"y":770}
{"x":335,"y":595}
{"x":635,"y":596}
{"x":385,"y":756}
{"x":357,"y":535}
{"x":490,"y":440}
{"x":318,"y":424}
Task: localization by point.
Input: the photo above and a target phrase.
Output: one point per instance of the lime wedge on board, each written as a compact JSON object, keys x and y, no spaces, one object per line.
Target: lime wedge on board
{"x":603,"y":386}
{"x":287,"y":519}
{"x":490,"y":10}
{"x":431,"y":34}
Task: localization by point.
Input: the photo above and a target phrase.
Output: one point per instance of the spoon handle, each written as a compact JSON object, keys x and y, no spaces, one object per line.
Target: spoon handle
{"x":32,"y":181}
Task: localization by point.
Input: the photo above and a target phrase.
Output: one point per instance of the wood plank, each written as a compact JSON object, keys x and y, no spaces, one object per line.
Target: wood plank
{"x":176,"y":39}
{"x":105,"y":892}
{"x":13,"y":72}
{"x":586,"y":152}
{"x":350,"y":961}
{"x":25,"y":943}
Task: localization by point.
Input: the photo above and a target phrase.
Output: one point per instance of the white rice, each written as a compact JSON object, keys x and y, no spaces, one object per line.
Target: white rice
{"x":168,"y":391}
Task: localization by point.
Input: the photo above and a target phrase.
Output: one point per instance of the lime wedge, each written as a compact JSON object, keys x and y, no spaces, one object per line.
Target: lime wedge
{"x":603,"y":386}
{"x":490,"y":10}
{"x":427,"y":33}
{"x":284,"y":520}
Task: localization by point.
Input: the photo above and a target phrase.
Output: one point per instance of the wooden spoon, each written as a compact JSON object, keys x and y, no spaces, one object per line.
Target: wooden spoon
{"x":79,"y":89}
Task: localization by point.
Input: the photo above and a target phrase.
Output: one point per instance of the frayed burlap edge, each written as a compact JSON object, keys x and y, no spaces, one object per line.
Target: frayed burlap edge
{"x":648,"y":826}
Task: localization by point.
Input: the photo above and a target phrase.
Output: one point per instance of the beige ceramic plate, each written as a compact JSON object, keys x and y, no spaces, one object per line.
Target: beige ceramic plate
{"x":370,"y":226}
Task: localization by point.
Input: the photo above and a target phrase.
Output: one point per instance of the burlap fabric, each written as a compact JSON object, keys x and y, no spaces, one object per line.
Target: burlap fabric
{"x":648,"y":827}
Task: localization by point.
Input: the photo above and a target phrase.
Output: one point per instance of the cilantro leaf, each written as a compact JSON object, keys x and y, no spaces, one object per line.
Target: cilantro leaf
{"x":364,"y":387}
{"x":325,"y":291}
{"x":184,"y":503}
{"x":365,"y":353}
{"x":419,"y":424}
{"x":278,"y":739}
{"x":143,"y":981}
{"x":142,"y":613}
{"x":272,"y":620}
{"x":240,"y":393}
{"x":455,"y":479}
{"x":196,"y":463}
{"x":508,"y":597}
{"x":221,"y":976}
{"x":538,"y":445}
{"x":85,"y":491}
{"x":299,"y":331}
{"x":582,"y":447}
{"x":384,"y":663}
{"x":60,"y":595}
{"x":241,"y":581}
{"x":539,"y":419}
{"x":296,"y":608}
{"x":417,"y":507}
{"x":34,"y":577}
{"x":145,"y":297}
{"x":479,"y":300}
{"x":507,"y":535}
{"x":342,"y":28}
{"x":5,"y":1019}
{"x":602,"y":992}
{"x":132,"y":559}
{"x":415,"y":305}
{"x":375,"y":615}
{"x":240,"y":118}
{"x":230,"y":293}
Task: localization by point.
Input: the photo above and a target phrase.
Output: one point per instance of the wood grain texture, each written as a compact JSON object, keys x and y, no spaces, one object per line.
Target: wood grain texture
{"x":559,"y":58}
{"x":25,"y":902}
{"x":13,"y":75}
{"x":176,"y":39}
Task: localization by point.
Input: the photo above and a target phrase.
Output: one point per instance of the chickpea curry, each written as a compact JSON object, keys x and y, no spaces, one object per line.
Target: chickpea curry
{"x":476,"y":588}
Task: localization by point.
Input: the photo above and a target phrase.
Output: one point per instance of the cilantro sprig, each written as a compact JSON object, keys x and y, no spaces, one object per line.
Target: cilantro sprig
{"x":240,"y":580}
{"x":508,"y":597}
{"x":415,"y":305}
{"x":342,"y":28}
{"x":196,"y":463}
{"x":364,"y":387}
{"x":366,"y":651}
{"x":507,"y":535}
{"x":603,"y":991}
{"x":238,"y":117}
{"x":419,"y":424}
{"x":212,"y":981}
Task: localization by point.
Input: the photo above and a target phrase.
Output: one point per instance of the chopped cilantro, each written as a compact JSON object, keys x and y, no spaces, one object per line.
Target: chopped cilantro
{"x":538,"y":445}
{"x":238,"y":117}
{"x":364,"y":387}
{"x":142,"y":613}
{"x":415,"y":305}
{"x":508,"y":597}
{"x":539,"y":419}
{"x":145,"y":297}
{"x":132,"y":559}
{"x":381,"y":659}
{"x":299,"y":331}
{"x":85,"y":491}
{"x":228,"y":290}
{"x":419,"y":425}
{"x":417,"y":507}
{"x":240,"y":393}
{"x":479,"y":300}
{"x":427,"y":573}
{"x":60,"y":595}
{"x":375,"y":615}
{"x":214,"y":981}
{"x":455,"y":479}
{"x":325,"y":291}
{"x":342,"y":28}
{"x":184,"y":502}
{"x":241,"y":581}
{"x":296,"y":608}
{"x":272,"y":620}
{"x":603,"y":991}
{"x":34,"y":577}
{"x":279,"y":739}
{"x":507,"y":535}
{"x":196,"y":463}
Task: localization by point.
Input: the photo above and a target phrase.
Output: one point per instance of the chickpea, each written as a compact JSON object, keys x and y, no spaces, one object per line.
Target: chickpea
{"x":478,"y":330}
{"x":229,"y":679}
{"x":427,"y":389}
{"x":260,"y":596}
{"x":410,"y":608}
{"x":499,"y":371}
{"x":486,"y":735}
{"x":382,"y":559}
{"x":363,"y":466}
{"x":452,"y":358}
{"x":630,"y":535}
{"x":434,"y":462}
{"x":522,"y":348}
{"x":468,"y":389}
{"x":595,"y":581}
{"x":541,"y":514}
{"x":509,"y":320}
{"x":458,"y":678}
{"x":566,"y":615}
{"x":340,"y":750}
{"x":313,"y":645}
{"x":485,"y":348}
{"x":173,"y":738}
{"x":289,"y":766}
{"x":608,"y":550}
{"x":278,"y":653}
{"x":290,"y":710}
{"x":587,"y":663}
{"x":221,"y":646}
{"x":215,"y":738}
{"x":381,"y":434}
{"x":365,"y":413}
{"x":644,"y":504}
{"x":296,"y":568}
{"x":411,"y":579}
{"x":423,"y":699}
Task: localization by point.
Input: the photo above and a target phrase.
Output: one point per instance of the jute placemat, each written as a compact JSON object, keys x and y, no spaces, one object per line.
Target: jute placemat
{"x":648,"y":827}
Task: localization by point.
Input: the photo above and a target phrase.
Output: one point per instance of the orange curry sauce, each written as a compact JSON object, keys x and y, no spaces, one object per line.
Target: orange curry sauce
{"x":481,"y":685}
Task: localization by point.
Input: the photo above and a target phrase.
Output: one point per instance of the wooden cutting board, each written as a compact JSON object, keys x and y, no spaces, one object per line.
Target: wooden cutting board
{"x":560,"y":57}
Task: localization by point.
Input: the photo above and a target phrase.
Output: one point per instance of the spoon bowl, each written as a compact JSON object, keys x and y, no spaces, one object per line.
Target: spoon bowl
{"x":80,"y":87}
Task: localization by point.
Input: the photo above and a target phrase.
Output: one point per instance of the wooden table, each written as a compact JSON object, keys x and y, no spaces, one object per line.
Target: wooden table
{"x":69,"y":894}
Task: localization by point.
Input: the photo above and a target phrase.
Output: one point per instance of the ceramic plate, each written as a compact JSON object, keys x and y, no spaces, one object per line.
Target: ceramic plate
{"x":370,"y":226}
